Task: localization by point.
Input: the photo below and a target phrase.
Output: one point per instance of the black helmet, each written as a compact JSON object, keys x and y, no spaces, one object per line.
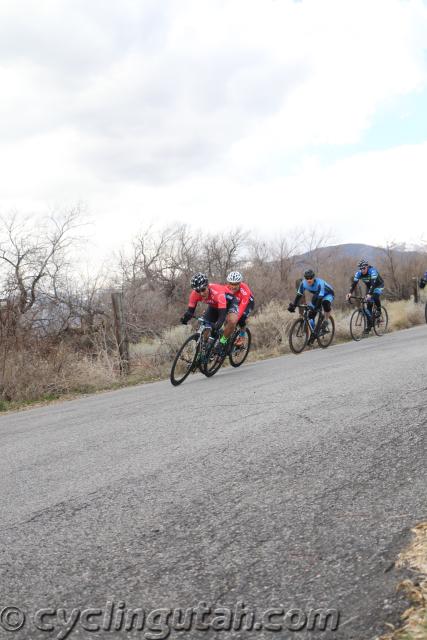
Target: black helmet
{"x":309,"y":274}
{"x":363,"y":263}
{"x":199,"y":282}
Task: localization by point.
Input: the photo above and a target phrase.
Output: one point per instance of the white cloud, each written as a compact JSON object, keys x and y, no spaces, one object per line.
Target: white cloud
{"x":193,"y":107}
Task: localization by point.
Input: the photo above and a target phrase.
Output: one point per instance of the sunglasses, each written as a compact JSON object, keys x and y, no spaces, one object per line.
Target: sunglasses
{"x":202,"y":290}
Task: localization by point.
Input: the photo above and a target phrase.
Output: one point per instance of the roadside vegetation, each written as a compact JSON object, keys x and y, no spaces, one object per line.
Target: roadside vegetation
{"x":414,"y":619}
{"x":57,"y":330}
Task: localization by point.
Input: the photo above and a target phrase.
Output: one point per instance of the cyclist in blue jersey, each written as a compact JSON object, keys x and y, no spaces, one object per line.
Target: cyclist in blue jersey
{"x":323,"y":296}
{"x":374,"y":285}
{"x":423,"y":281}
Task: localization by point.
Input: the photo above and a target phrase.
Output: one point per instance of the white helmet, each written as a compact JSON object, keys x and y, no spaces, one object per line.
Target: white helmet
{"x":234,"y":277}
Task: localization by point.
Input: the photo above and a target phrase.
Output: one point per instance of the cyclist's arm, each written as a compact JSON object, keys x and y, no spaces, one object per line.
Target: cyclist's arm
{"x":222,"y":314}
{"x":300,"y":293}
{"x":321,"y":292}
{"x":192,"y":304}
{"x":355,"y":281}
{"x":188,"y":315}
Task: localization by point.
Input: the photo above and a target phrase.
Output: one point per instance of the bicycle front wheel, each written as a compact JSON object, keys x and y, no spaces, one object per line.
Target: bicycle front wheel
{"x":357,"y":324}
{"x":185,"y":360}
{"x":238,"y":354}
{"x":325,"y":338}
{"x":298,"y":335}
{"x":213,"y":361}
{"x":381,"y":322}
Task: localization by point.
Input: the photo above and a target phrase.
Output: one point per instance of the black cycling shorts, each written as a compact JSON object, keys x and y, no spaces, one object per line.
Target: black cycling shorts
{"x":326,"y":304}
{"x":211,"y":313}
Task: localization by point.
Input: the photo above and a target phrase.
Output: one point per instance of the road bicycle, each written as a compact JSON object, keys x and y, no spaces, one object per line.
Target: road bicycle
{"x":303,"y":330}
{"x":360,"y":317}
{"x":236,"y":350}
{"x":192,"y":355}
{"x":200,"y":351}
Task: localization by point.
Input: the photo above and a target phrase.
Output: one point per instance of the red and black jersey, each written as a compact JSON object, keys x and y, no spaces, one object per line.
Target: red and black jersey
{"x":217,"y":297}
{"x":244,"y":295}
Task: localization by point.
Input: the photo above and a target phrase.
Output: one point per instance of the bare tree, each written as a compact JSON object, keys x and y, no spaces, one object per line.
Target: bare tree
{"x":284,"y":251}
{"x":223,"y":252}
{"x":28,"y":252}
{"x":313,"y":242}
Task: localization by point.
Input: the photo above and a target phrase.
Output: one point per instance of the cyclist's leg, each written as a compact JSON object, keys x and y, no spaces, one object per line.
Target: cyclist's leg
{"x":327,"y":305}
{"x":232,"y":317}
{"x":241,"y":323}
{"x":312,"y":310}
{"x":377,"y":298}
{"x":368,"y":314}
{"x":312,"y":320}
{"x":211,"y":314}
{"x":327,"y":308}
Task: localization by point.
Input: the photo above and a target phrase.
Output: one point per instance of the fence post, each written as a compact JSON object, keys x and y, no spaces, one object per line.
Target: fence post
{"x":415,"y":289}
{"x":120,"y":331}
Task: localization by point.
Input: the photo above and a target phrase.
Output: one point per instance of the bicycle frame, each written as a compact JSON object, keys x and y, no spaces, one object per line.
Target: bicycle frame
{"x":305,"y":308}
{"x":363,"y":304}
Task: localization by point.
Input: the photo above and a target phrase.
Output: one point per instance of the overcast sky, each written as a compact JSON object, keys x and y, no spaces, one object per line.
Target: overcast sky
{"x":268,"y":114}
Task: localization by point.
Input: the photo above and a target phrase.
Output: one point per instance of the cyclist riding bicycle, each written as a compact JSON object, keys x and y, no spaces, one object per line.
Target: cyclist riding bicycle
{"x":242,"y":292}
{"x":323,"y":296}
{"x":374,"y":285}
{"x":222,"y":307}
{"x":423,"y":281}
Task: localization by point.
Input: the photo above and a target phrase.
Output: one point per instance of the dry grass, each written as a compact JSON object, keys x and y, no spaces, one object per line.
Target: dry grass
{"x":405,"y":314}
{"x":31,"y":374}
{"x":415,"y":617}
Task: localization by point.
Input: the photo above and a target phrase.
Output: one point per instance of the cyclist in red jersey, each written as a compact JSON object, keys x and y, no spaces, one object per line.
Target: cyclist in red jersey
{"x":223,"y":306}
{"x":244,"y":295}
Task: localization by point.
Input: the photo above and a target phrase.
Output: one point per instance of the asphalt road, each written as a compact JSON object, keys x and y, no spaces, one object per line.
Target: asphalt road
{"x":291,"y":483}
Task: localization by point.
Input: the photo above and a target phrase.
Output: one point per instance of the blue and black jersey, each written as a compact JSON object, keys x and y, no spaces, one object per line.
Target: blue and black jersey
{"x":319,"y":288}
{"x":371,"y":278}
{"x":423,"y":281}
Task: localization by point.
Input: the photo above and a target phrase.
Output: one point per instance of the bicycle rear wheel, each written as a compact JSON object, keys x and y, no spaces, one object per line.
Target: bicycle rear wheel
{"x":381,"y":322}
{"x":357,"y":324}
{"x":238,"y":354}
{"x":185,"y":360}
{"x":298,"y":335}
{"x":325,"y":339}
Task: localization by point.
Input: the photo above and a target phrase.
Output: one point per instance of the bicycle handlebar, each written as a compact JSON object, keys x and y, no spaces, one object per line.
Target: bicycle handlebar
{"x":360,"y":299}
{"x":205,"y":322}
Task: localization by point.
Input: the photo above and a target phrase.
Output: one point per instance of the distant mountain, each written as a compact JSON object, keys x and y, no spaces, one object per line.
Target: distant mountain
{"x":354,"y":251}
